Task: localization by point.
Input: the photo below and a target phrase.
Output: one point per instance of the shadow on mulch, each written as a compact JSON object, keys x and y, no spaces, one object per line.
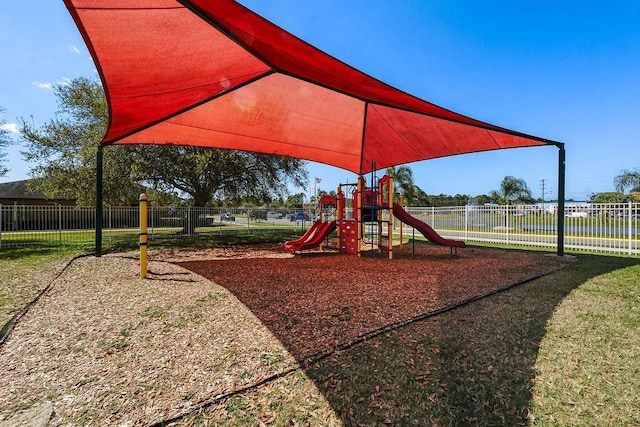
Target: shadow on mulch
{"x":314,"y":303}
{"x":472,"y":365}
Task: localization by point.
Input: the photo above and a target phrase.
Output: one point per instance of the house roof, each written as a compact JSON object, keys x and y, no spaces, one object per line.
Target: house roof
{"x":18,"y":190}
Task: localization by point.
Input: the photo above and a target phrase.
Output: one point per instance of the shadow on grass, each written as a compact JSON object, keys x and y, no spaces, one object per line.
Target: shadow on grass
{"x":473,"y":365}
{"x":12,"y":253}
{"x":470,"y":366}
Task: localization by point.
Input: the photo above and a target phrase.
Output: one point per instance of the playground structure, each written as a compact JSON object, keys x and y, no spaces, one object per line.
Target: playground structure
{"x":364,"y":221}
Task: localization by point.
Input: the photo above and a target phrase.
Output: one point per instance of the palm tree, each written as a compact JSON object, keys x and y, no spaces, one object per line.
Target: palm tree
{"x":512,"y":190}
{"x":402,"y":182}
{"x":628,"y":179}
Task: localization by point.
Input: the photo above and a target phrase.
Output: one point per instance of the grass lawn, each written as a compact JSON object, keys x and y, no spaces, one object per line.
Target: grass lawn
{"x":24,"y":272}
{"x":560,"y":350}
{"x":589,"y":360}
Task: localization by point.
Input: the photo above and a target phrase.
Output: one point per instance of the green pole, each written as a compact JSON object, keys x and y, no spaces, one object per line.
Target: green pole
{"x":561,"y":197}
{"x":99,"y":202}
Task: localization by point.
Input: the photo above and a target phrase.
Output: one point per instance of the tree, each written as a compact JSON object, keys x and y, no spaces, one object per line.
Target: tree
{"x":295,"y":200}
{"x":205,"y":174}
{"x":64,"y":151}
{"x":4,"y":143}
{"x":512,"y":190}
{"x":482,"y":199}
{"x":628,"y":179}
{"x":608,"y":197}
{"x":402,"y":182}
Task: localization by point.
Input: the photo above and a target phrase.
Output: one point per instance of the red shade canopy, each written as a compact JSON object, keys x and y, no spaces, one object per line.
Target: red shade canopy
{"x":211,"y":73}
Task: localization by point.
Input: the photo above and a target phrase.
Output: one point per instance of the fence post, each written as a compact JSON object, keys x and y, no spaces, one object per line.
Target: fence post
{"x":60,"y":224}
{"x":189,"y":220}
{"x":630,"y":230}
{"x":433,"y":216}
{"x":466,"y":222}
{"x":506,"y":222}
{"x":110,"y":223}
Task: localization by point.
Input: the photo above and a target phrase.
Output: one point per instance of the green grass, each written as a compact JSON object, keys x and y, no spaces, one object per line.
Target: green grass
{"x":589,"y":362}
{"x":24,"y":272}
{"x":116,"y":239}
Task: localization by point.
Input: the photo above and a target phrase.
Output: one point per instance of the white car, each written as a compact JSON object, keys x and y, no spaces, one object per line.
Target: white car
{"x":576,"y":215}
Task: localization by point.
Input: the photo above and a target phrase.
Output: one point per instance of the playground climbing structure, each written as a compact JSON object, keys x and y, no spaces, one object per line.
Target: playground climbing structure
{"x":364,"y":221}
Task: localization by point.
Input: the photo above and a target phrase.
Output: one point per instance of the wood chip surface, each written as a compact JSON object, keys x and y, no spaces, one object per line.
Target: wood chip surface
{"x":108,"y":348}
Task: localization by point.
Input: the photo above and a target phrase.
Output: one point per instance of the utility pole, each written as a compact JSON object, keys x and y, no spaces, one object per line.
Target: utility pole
{"x":543,"y":184}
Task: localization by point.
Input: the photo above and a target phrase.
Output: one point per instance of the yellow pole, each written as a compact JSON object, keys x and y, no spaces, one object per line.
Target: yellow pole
{"x":144,"y":201}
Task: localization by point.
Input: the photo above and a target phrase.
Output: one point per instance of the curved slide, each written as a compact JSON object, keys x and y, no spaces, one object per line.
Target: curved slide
{"x":425,"y":229}
{"x":313,"y":237}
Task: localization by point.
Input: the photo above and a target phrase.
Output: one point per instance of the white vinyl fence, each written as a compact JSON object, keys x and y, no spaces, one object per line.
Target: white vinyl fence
{"x":608,"y":228}
{"x":604,"y":228}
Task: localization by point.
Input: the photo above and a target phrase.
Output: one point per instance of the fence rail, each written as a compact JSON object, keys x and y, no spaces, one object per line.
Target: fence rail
{"x":606,"y":228}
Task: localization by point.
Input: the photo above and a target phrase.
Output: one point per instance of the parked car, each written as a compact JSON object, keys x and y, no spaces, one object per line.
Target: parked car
{"x":226,"y":216}
{"x":576,"y":214}
{"x":299,"y":217}
{"x":274,"y":215}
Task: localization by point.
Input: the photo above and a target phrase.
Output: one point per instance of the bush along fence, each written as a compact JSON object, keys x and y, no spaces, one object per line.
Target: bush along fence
{"x":604,"y":228}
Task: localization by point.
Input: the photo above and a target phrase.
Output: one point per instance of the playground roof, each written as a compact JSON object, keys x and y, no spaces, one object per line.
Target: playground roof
{"x":214,"y":74}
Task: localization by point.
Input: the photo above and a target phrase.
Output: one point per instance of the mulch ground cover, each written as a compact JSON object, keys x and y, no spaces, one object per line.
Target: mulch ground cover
{"x":317,"y":302}
{"x":108,"y":348}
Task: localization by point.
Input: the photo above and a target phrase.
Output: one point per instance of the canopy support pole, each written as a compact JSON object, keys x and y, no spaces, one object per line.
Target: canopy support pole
{"x":561,"y":197}
{"x":98,"y":251}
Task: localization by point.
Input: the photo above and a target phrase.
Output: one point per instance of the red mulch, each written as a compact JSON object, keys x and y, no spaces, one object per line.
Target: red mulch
{"x":316,"y":301}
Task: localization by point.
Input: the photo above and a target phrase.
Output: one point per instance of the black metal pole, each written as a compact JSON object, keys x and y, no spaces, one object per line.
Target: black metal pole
{"x":98,"y":251}
{"x":561,"y":197}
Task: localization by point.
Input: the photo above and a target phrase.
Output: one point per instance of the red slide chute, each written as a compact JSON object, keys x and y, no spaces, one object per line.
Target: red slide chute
{"x":425,"y":229}
{"x":313,"y":237}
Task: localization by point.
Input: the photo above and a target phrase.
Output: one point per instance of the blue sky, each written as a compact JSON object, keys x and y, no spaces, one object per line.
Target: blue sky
{"x":567,"y":71}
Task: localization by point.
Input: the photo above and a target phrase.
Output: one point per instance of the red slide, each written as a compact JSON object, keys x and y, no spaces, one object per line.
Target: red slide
{"x":307,"y":235}
{"x":425,"y":229}
{"x":313,"y":237}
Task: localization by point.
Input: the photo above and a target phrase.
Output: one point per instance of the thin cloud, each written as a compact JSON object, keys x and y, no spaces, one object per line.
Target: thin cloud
{"x":75,"y":49}
{"x":10,"y":127}
{"x":43,"y":85}
{"x":64,"y":81}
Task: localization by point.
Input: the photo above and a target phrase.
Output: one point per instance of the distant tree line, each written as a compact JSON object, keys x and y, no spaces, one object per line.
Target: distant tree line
{"x":627,"y":186}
